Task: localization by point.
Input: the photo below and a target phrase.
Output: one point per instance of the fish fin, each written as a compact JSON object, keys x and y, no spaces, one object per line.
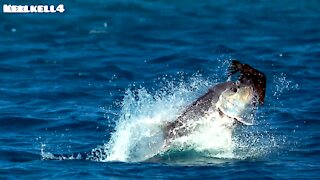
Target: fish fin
{"x":241,"y":121}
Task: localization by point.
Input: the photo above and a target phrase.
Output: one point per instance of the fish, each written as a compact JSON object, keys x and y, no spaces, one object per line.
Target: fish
{"x":236,"y":100}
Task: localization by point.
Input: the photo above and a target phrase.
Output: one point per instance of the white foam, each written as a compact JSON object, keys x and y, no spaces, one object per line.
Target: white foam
{"x":139,"y":131}
{"x":212,"y":137}
{"x":139,"y":134}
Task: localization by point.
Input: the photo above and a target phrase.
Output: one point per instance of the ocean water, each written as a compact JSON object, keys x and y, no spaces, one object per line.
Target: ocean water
{"x":102,"y":78}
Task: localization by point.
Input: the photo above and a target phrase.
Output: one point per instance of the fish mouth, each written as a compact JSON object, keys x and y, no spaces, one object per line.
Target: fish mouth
{"x":238,"y":119}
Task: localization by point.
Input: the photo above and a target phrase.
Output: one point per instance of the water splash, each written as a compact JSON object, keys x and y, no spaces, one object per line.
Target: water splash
{"x":139,"y":134}
{"x":45,"y":155}
{"x":281,"y":85}
{"x":139,"y":131}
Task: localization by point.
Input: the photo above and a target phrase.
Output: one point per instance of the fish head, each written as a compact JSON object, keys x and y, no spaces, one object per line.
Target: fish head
{"x":238,"y":101}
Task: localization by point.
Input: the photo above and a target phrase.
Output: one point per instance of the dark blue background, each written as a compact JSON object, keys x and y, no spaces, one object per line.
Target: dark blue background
{"x":57,"y":71}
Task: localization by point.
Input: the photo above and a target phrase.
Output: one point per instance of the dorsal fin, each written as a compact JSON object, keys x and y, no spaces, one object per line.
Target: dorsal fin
{"x":250,"y":75}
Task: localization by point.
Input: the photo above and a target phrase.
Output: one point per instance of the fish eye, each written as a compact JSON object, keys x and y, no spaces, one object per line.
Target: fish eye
{"x":234,"y":89}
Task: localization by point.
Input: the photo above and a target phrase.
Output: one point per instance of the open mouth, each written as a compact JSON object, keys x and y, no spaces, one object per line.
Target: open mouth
{"x":239,"y":119}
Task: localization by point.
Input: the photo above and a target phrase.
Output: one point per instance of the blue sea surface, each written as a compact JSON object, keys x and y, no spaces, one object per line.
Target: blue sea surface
{"x":100,"y":74}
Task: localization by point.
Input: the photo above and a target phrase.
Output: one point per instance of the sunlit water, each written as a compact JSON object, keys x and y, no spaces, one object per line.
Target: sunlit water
{"x":103,"y":79}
